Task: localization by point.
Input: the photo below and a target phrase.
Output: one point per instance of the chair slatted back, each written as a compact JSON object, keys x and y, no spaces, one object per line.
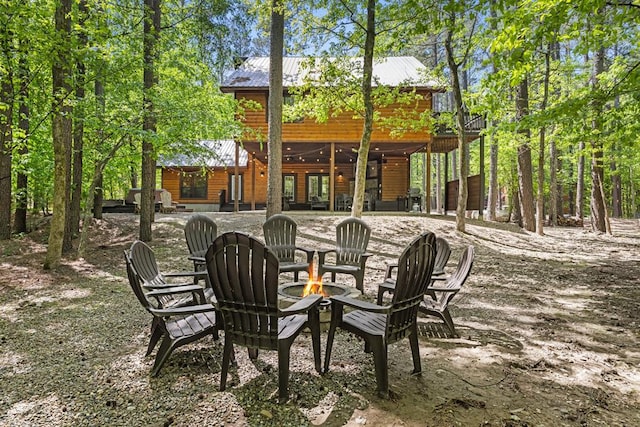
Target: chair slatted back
{"x":280,"y":236}
{"x":443,"y":253}
{"x":352,"y":239}
{"x":415,"y":267}
{"x":458,"y":277}
{"x":134,"y":282}
{"x":200,"y":231}
{"x":145,"y":264}
{"x":244,"y":278}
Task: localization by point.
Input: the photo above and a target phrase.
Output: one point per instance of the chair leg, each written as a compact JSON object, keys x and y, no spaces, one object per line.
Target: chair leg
{"x":156,"y":334}
{"x":226,"y":357}
{"x":314,"y":325}
{"x":166,"y":347}
{"x":359,"y":282}
{"x":253,"y":353}
{"x":382,"y":372}
{"x":336,"y":317}
{"x":449,"y":322}
{"x":284,"y":348}
{"x":295,"y":276}
{"x":415,"y":349}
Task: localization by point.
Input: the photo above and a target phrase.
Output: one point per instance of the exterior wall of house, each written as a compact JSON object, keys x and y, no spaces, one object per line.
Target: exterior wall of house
{"x":340,"y":129}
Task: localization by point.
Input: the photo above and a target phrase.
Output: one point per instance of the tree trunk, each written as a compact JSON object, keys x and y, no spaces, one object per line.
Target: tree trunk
{"x":463,"y":191}
{"x":61,"y":130}
{"x":580,"y":182}
{"x":365,"y":141}
{"x":494,"y":191}
{"x":525,"y":173}
{"x":553,"y":185}
{"x":616,"y":191}
{"x":541,"y":149}
{"x":6,"y":135}
{"x":98,"y":193}
{"x":599,"y":220}
{"x":150,"y":46}
{"x":274,"y":147}
{"x":73,"y":221}
{"x":22,"y":180}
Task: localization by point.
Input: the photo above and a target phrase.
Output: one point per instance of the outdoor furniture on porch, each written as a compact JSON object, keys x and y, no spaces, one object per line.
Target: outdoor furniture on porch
{"x":349,"y":255}
{"x":244,"y":275}
{"x":199,"y":231}
{"x":316,"y":203}
{"x":175,"y":324}
{"x":382,"y":325}
{"x":280,"y":237}
{"x":443,"y":253}
{"x":437,"y":301}
{"x":344,"y":202}
{"x":167,"y":205}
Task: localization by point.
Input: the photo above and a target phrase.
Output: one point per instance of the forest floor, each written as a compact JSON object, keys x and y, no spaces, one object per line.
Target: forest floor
{"x":549,"y":336}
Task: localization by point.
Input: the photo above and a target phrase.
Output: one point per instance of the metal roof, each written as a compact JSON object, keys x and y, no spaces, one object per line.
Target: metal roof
{"x":395,"y":71}
{"x":214,"y":154}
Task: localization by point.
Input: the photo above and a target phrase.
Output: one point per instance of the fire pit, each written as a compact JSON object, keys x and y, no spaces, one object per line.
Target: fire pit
{"x":290,"y":293}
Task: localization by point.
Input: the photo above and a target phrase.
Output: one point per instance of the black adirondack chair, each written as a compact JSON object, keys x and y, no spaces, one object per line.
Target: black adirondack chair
{"x":436,"y":302}
{"x":199,"y":232}
{"x":145,"y":264}
{"x":352,"y":239}
{"x":244,"y":276}
{"x":443,"y":253}
{"x":280,"y":236}
{"x":175,"y":324}
{"x":382,"y":325}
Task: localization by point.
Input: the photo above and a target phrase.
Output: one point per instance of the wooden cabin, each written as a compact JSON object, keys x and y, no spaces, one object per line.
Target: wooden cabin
{"x":319,"y":159}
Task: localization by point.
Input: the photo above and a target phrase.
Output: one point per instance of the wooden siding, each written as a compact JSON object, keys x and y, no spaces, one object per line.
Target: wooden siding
{"x":473,"y":194}
{"x":341,"y":129}
{"x":395,"y":178}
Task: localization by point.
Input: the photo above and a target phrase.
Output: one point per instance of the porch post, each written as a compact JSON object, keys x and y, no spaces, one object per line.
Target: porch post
{"x":253,"y":182}
{"x":482,"y":179}
{"x":446,"y":182}
{"x":427,"y":190}
{"x":236,"y":178}
{"x":332,"y":183}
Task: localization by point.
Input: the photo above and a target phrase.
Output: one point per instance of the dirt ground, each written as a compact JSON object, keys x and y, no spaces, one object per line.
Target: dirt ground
{"x":548,"y":325}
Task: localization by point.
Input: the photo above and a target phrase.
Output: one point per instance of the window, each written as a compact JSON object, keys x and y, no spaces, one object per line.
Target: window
{"x":289,"y":114}
{"x":232,"y":187}
{"x":318,"y":185}
{"x":289,"y":187}
{"x":193,"y":185}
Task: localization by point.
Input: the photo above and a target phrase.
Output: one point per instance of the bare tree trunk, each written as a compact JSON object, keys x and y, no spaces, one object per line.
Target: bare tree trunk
{"x":525,"y":173}
{"x":462,"y":145}
{"x":365,"y":141}
{"x":22,"y":180}
{"x":98,"y":194}
{"x":73,"y":220}
{"x":580,"y":182}
{"x":61,"y":129}
{"x":6,"y":134}
{"x":541,"y":149}
{"x":274,"y":185}
{"x":616,"y":191}
{"x":599,"y":220}
{"x":150,"y":46}
{"x":494,"y":191}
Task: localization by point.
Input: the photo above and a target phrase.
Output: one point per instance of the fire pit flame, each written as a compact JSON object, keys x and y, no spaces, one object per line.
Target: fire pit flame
{"x":314,"y":285}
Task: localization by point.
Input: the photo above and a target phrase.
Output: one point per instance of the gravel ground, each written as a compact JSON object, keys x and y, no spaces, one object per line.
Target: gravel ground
{"x":548,"y":325}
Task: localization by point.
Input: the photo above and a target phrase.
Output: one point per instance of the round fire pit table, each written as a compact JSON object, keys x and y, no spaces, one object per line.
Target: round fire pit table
{"x":290,"y":293}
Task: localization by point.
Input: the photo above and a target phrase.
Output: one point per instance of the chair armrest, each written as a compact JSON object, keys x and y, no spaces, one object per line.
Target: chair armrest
{"x":172,"y":290}
{"x":309,"y":252}
{"x":186,"y":274}
{"x":183,"y":311}
{"x":361,"y":305}
{"x":389,"y":272}
{"x":437,"y":289}
{"x":302,"y":306}
{"x":322,"y":253}
{"x":159,"y":286}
